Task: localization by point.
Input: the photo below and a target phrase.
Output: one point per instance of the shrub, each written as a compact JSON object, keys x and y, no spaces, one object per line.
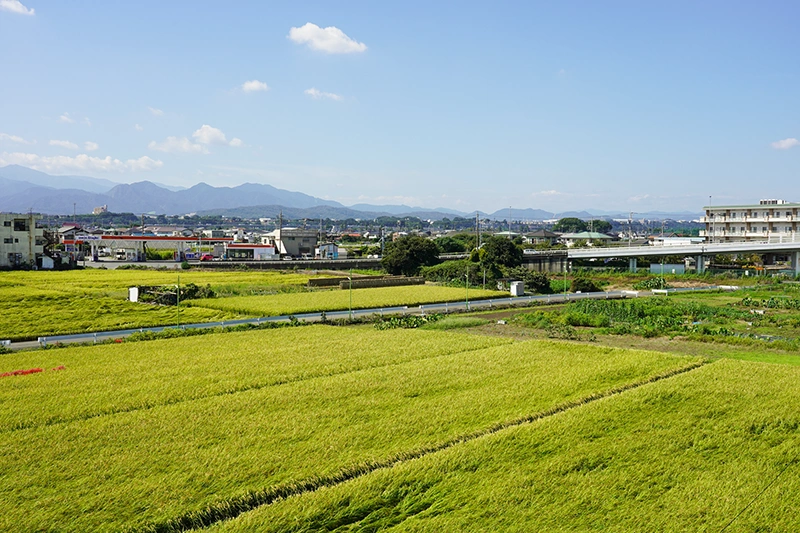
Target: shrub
{"x":453,"y":272}
{"x":534,"y":281}
{"x":584,"y":284}
{"x":651,"y":283}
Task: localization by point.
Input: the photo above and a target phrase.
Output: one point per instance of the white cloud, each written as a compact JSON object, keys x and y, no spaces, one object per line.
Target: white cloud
{"x":785,"y":144}
{"x":66,"y":118}
{"x":138,"y":127}
{"x":155,"y":112}
{"x":210,"y":135}
{"x":175,"y":145}
{"x":551,"y":192}
{"x":15,"y":6}
{"x":319,"y":95}
{"x":14,"y":139}
{"x":82,"y":162}
{"x":254,"y":86}
{"x":143,"y":164}
{"x":331,"y":40}
{"x":639,"y":198}
{"x":64,"y":144}
{"x":87,"y":121}
{"x":90,"y":146}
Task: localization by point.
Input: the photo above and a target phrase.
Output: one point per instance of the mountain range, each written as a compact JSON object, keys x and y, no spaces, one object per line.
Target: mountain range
{"x":23,"y":189}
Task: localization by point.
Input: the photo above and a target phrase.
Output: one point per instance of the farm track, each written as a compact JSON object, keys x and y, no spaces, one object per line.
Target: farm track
{"x":248,"y":388}
{"x":233,"y":507}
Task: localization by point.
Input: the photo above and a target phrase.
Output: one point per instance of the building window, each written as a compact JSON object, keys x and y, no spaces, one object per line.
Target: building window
{"x":8,"y":240}
{"x":20,"y":224}
{"x":7,"y":223}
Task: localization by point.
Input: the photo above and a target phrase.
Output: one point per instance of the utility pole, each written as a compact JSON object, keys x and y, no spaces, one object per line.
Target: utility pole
{"x":630,"y":229}
{"x":280,"y":232}
{"x":478,"y":227}
{"x":466,"y":286}
{"x":350,"y":279}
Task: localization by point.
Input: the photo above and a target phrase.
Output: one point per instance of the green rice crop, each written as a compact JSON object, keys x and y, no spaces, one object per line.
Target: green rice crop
{"x":334,"y":412}
{"x":331,"y":300}
{"x":42,"y":303}
{"x":714,"y":449}
{"x":27,"y":313}
{"x":106,"y":379}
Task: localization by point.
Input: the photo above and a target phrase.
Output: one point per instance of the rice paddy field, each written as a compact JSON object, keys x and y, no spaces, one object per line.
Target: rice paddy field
{"x":326,"y":300}
{"x":34,"y":304}
{"x":462,"y":425}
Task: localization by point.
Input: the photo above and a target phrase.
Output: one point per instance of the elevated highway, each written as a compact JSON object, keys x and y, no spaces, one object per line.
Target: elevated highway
{"x":789,"y":246}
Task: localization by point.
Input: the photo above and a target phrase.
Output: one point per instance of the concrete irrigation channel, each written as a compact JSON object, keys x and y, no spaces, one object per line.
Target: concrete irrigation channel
{"x":465,"y":305}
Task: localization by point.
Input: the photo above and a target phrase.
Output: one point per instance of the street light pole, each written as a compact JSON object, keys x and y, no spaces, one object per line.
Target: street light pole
{"x":466,"y":286}
{"x":350,"y":280}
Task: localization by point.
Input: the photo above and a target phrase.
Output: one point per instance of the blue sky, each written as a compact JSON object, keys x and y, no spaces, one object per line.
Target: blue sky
{"x":629,"y":106}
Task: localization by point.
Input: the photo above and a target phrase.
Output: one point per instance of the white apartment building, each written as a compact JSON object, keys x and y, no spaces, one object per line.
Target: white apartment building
{"x":767,"y":220}
{"x":21,"y":242}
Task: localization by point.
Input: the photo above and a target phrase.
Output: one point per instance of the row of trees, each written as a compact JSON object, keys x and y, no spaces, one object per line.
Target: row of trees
{"x":497,"y":258}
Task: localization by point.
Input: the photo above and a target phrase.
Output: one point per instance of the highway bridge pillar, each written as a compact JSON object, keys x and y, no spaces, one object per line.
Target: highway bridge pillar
{"x":700,"y":264}
{"x":632,"y":264}
{"x":795,"y":257}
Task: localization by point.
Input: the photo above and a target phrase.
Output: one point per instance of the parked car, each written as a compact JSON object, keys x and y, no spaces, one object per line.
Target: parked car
{"x":206,"y":257}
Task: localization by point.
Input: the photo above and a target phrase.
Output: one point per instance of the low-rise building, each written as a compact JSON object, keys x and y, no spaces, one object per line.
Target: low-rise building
{"x":766,"y":220}
{"x":22,"y":242}
{"x":250,"y":252}
{"x":590,"y":237}
{"x":295,"y":242}
{"x":327,"y":250}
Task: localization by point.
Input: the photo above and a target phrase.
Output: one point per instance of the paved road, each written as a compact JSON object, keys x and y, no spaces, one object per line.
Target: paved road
{"x":443,"y":307}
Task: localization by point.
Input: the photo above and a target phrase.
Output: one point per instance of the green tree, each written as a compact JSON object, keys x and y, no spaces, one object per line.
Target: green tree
{"x":570,"y":225}
{"x":601,"y":226}
{"x":407,"y":255}
{"x":501,"y":252}
{"x":448,"y":245}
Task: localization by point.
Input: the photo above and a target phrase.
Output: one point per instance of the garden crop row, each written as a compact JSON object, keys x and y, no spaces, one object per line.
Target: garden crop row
{"x":715,"y":449}
{"x":117,"y":378}
{"x":151,"y":466}
{"x":331,"y":300}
